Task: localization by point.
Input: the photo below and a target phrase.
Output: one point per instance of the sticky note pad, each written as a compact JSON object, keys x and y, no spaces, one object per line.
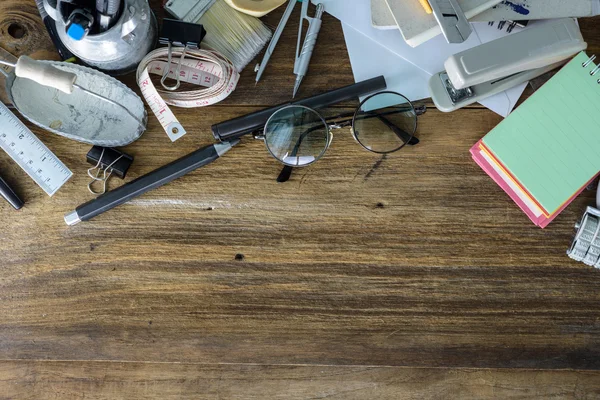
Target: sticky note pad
{"x":551,"y":143}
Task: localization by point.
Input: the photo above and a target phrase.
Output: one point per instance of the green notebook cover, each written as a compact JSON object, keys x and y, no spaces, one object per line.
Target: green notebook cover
{"x":551,"y":143}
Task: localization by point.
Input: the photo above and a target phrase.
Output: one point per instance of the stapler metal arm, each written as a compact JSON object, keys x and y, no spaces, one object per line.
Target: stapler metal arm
{"x":498,"y":65}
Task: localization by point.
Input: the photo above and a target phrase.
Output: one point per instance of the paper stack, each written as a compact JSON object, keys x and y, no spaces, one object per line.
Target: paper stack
{"x":407,"y":70}
{"x":515,"y":10}
{"x":416,"y":26}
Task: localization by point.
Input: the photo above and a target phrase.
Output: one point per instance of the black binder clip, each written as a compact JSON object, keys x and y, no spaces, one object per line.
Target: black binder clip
{"x":107,"y":161}
{"x":180,"y":34}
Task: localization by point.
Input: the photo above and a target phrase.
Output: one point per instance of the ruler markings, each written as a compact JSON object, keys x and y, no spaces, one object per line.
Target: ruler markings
{"x":30,"y":153}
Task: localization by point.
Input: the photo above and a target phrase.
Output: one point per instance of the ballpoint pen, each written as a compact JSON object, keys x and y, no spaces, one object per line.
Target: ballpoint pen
{"x":152,"y":180}
{"x":304,"y":54}
{"x":9,"y":195}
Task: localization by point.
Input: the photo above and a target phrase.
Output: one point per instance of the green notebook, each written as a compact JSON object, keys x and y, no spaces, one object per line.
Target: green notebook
{"x":551,"y":143}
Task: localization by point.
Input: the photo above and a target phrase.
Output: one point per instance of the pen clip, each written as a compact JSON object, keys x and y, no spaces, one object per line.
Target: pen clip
{"x":304,"y":16}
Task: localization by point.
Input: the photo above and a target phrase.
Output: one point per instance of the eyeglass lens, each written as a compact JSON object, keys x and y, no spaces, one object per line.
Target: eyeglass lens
{"x":296,"y":135}
{"x":385,"y":122}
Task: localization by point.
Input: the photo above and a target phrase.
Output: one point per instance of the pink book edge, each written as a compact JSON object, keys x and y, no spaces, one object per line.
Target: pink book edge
{"x":540,"y":221}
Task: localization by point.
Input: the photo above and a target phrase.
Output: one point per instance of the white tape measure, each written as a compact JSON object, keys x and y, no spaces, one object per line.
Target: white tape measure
{"x":31,"y":154}
{"x":200,"y":67}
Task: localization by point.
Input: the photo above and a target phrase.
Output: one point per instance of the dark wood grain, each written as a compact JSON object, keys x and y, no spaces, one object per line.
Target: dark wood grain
{"x":374,"y":267}
{"x":130,"y":381}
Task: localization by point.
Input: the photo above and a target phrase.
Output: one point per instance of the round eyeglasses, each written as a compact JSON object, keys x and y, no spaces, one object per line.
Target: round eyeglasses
{"x":383,"y":123}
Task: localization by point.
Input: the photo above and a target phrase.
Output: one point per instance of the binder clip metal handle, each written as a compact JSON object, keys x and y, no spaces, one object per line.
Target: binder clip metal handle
{"x":180,"y":34}
{"x":106,"y":161}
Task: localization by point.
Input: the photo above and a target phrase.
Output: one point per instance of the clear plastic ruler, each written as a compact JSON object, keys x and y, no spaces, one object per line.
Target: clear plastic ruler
{"x":31,"y":154}
{"x":198,"y":72}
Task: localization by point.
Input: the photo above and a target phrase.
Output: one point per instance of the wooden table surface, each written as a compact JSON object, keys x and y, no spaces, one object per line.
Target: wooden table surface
{"x":408,"y":276}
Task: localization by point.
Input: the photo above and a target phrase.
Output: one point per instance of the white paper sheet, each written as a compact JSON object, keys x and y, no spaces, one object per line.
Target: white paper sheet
{"x":393,"y":51}
{"x":400,"y":75}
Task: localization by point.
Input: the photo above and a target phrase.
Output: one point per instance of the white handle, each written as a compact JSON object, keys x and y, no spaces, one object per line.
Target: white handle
{"x":45,"y":74}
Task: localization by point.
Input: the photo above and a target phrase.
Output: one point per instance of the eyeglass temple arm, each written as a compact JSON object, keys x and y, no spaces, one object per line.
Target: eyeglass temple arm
{"x":404,"y":136}
{"x":286,"y":171}
{"x":285,"y":174}
{"x":346,"y":122}
{"x":419,"y":110}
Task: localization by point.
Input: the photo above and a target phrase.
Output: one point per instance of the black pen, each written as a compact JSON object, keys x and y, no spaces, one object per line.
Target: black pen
{"x":152,"y":180}
{"x":9,"y":195}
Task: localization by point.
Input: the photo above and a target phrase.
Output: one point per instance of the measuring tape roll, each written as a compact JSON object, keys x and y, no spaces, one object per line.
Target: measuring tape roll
{"x":200,"y":67}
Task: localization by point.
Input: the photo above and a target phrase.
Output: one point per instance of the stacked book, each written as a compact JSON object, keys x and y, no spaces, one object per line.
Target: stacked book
{"x":548,"y":150}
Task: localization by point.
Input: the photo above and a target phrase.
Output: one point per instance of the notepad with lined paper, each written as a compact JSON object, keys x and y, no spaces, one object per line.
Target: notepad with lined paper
{"x":548,"y":150}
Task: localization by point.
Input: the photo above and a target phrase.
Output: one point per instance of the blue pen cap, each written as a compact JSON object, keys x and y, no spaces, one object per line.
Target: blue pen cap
{"x":76,"y":31}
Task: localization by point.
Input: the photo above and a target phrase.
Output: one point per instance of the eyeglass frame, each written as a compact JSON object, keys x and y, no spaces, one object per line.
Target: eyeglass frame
{"x":286,"y":172}
{"x":419,"y":110}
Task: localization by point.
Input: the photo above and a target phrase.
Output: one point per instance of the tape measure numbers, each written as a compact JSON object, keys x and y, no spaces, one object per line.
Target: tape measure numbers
{"x":160,"y":109}
{"x":31,"y":154}
{"x":200,"y":67}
